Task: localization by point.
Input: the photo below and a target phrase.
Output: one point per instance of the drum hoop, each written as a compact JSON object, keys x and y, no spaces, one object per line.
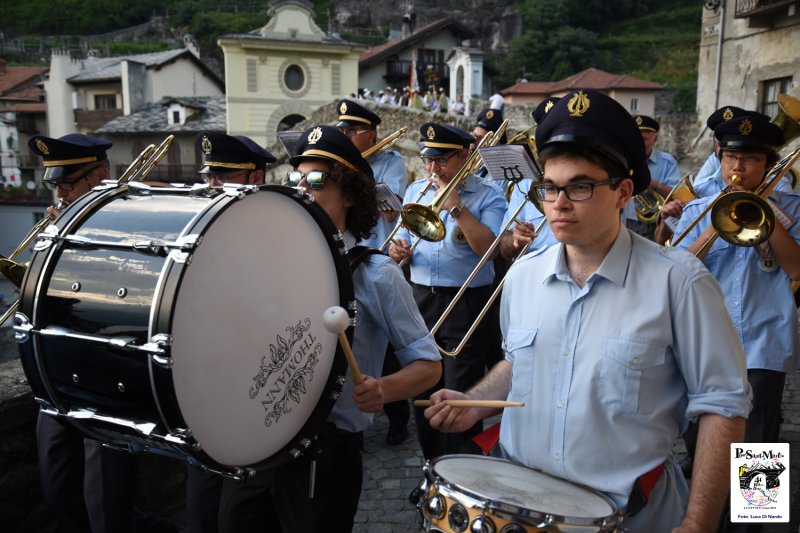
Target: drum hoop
{"x":452,"y":490}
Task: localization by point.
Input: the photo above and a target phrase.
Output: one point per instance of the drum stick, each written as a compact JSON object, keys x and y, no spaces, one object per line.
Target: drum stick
{"x":471,"y":403}
{"x":337,"y":321}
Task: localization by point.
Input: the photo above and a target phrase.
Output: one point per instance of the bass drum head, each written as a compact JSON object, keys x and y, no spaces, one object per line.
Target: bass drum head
{"x":505,"y":483}
{"x":253,"y":365}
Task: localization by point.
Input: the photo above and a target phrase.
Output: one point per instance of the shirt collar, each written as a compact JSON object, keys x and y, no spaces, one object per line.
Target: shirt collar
{"x":349,"y":239}
{"x":614,"y":267}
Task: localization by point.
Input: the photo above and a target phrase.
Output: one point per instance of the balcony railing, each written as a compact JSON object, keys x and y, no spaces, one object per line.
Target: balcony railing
{"x":748,"y":8}
{"x":93,"y":119}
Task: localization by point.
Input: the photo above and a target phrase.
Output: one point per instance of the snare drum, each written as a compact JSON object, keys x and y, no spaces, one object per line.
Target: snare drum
{"x":476,"y":493}
{"x":188,"y":322}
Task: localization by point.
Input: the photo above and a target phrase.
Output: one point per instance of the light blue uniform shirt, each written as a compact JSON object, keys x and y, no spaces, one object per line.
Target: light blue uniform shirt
{"x":390,"y":168}
{"x":663,"y":169}
{"x":759,"y":299}
{"x":710,"y":166}
{"x":449,"y":262}
{"x":530,"y":214}
{"x":385,"y":312}
{"x":611,"y":373}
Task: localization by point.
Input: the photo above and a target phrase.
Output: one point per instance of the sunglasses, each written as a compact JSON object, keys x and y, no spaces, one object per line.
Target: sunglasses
{"x":315,"y":179}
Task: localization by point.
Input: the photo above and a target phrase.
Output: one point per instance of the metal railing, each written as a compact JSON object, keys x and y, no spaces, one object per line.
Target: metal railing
{"x":748,"y":8}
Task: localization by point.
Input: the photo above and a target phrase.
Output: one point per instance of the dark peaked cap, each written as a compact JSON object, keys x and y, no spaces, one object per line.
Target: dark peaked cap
{"x":63,"y":156}
{"x":228,"y":153}
{"x":728,"y":112}
{"x":353,"y":114}
{"x":598,"y":122}
{"x":327,"y":142}
{"x":749,"y":133}
{"x":438,"y":139}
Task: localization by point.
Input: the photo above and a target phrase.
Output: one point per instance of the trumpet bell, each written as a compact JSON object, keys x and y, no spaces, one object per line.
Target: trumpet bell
{"x":743,"y":219}
{"x":423,"y":222}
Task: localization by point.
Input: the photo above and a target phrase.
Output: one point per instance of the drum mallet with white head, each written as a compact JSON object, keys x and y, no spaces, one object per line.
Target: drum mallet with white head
{"x":337,"y":321}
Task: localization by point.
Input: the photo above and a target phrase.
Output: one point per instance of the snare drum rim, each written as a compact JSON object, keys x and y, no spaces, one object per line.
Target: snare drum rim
{"x":453,"y":490}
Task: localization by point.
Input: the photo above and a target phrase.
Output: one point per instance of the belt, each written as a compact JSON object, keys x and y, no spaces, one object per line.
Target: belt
{"x":436,"y":290}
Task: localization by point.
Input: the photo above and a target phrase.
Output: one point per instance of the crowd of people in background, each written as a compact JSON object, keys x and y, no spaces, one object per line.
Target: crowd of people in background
{"x":433,"y":99}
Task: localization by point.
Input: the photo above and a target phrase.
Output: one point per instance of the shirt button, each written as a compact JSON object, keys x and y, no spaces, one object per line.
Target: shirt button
{"x":556,"y":457}
{"x":736,"y":303}
{"x":635,"y":361}
{"x":560,"y":403}
{"x":566,"y":352}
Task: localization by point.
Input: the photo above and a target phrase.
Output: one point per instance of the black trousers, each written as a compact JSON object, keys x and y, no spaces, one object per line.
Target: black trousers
{"x":279,"y":501}
{"x":203,"y":493}
{"x":461,"y":372}
{"x":91,"y":486}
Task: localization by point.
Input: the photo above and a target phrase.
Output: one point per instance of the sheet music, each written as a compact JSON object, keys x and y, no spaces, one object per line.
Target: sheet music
{"x":509,"y":162}
{"x":387,"y":199}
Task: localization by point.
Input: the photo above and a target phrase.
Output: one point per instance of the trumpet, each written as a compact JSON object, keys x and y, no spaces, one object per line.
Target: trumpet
{"x":743,"y":218}
{"x":532,"y":197}
{"x":384,"y":144}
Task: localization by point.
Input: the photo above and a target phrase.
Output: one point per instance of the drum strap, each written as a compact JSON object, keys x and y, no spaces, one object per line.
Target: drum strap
{"x":357,"y":254}
{"x":642,"y":489}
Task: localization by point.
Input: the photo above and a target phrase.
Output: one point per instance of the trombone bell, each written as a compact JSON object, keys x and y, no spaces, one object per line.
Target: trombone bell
{"x":423,"y":222}
{"x":743,"y":219}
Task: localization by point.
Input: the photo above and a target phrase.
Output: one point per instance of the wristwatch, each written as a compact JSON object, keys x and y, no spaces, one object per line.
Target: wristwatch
{"x":455,"y":211}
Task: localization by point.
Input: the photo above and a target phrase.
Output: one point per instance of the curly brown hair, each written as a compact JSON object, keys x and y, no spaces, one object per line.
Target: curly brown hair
{"x":358,"y":186}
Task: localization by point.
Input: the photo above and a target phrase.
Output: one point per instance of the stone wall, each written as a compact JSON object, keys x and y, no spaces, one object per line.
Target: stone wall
{"x":679,"y":133}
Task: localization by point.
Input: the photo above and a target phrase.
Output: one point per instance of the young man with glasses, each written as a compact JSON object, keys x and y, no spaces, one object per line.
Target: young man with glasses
{"x":756,"y":281}
{"x":92,"y":487}
{"x":332,"y":171}
{"x":472,"y":214}
{"x":359,"y":124}
{"x":609,"y":359}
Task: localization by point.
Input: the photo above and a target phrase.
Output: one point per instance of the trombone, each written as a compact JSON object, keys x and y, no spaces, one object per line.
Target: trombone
{"x":384,"y":144}
{"x":743,"y":218}
{"x":648,"y":204}
{"x":532,"y":197}
{"x":423,"y":221}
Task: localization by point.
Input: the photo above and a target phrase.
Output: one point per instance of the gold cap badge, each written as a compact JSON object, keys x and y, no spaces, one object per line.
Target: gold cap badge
{"x":490,"y":114}
{"x":746,"y":127}
{"x":578,"y":105}
{"x":430,"y":132}
{"x":343,"y":108}
{"x":205,"y":144}
{"x":42,"y":147}
{"x":548,"y":106}
{"x":315,"y":135}
{"x":727,"y":114}
{"x":638,"y":121}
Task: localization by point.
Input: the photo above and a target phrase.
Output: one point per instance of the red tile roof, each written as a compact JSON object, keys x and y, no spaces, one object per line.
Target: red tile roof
{"x":590,"y":78}
{"x":18,"y":77}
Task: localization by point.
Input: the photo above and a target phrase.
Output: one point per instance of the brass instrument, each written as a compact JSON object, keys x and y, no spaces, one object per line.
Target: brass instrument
{"x":788,"y":118}
{"x":743,"y":218}
{"x":682,"y":191}
{"x":496,"y":135}
{"x":423,"y":220}
{"x":384,"y":144}
{"x":648,"y":204}
{"x":531,"y":196}
{"x":148,"y":161}
{"x":137,"y":163}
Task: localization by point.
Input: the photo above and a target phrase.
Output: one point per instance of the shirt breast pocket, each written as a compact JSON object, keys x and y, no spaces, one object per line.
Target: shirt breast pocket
{"x":519,"y":343}
{"x":625,"y":365}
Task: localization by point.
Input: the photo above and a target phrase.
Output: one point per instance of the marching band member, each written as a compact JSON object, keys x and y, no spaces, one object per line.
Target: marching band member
{"x":91,"y":486}
{"x":608,"y":383}
{"x":756,"y":281}
{"x":333,"y":172}
{"x":472,"y":214}
{"x":359,"y":124}
{"x":520,"y":234}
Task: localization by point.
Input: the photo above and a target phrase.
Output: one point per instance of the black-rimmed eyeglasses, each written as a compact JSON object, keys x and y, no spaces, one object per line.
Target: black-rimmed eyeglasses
{"x":576,"y":192}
